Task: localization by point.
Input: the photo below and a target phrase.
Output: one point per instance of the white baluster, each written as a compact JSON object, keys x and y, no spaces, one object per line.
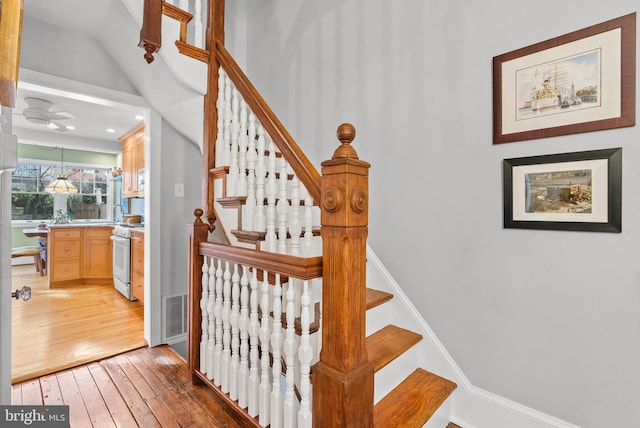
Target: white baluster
{"x":252,"y":156}
{"x":305,"y":355}
{"x":271,"y":238}
{"x":234,"y":169}
{"x":243,"y":143}
{"x":204,"y":316}
{"x":308,"y":224}
{"x":254,"y":356}
{"x":290,"y":408}
{"x":221,"y":150}
{"x":283,"y":207}
{"x":226,"y":328}
{"x":261,"y":174}
{"x":295,"y":225}
{"x":197,"y":17}
{"x":217,"y":360}
{"x":228,"y":88}
{"x":265,"y":337}
{"x":234,"y":366}
{"x":243,"y":373}
{"x":276,"y":349}
{"x":211,"y":308}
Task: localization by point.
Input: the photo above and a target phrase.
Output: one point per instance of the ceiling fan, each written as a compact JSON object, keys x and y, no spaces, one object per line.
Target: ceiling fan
{"x":38,"y":112}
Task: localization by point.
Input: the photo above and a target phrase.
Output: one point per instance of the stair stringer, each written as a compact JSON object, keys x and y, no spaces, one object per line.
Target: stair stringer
{"x":468,"y":406}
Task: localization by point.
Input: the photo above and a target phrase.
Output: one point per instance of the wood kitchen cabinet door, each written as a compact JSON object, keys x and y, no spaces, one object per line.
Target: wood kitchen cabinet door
{"x":98,"y":260}
{"x":132,"y":160}
{"x":137,"y":265}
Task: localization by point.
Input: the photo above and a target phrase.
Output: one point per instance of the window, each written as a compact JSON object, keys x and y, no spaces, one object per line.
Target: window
{"x":29,"y":201}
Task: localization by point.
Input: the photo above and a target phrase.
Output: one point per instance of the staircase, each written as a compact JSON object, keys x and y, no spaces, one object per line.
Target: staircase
{"x":265,"y":195}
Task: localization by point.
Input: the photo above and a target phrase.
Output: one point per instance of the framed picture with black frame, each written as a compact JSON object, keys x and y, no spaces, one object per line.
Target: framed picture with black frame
{"x":578,"y":191}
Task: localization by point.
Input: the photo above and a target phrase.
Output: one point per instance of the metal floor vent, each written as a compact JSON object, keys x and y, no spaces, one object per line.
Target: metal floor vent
{"x":174,"y":327}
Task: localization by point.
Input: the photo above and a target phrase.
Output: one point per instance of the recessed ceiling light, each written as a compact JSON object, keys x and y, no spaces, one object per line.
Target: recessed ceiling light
{"x":111,"y":130}
{"x":70,"y":127}
{"x":139,"y":116}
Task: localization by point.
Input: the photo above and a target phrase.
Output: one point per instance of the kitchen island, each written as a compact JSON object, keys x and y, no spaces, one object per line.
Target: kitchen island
{"x":79,"y":254}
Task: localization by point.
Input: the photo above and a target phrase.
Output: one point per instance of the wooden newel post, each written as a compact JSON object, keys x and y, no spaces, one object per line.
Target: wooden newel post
{"x":198,"y":232}
{"x":343,"y":378}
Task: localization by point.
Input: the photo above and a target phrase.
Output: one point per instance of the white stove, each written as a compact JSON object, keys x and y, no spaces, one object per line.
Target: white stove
{"x":121,"y":237}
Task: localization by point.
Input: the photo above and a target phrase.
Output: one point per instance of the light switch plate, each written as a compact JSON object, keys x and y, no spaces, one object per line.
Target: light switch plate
{"x":179,"y":190}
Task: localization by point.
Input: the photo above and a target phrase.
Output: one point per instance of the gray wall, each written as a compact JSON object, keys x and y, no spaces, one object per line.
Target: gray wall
{"x":71,"y":55}
{"x":414,"y":77}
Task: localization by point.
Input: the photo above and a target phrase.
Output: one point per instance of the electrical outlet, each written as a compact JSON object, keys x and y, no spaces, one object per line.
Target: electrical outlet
{"x":179,"y":190}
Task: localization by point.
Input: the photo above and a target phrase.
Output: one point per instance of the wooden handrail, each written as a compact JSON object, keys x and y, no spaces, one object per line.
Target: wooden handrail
{"x":297,"y":267}
{"x":296,"y":158}
{"x":10,"y":35}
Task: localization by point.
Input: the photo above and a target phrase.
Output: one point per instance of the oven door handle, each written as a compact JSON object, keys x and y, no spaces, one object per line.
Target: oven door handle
{"x":115,"y":238}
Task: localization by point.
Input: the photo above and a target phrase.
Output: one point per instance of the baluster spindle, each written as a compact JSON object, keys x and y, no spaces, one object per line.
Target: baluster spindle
{"x":243,"y":143}
{"x":234,"y":169}
{"x":211,"y":308}
{"x":276,"y":349}
{"x":290,"y":410}
{"x":271,"y":238}
{"x":234,"y":366}
{"x":243,"y":373}
{"x":252,"y":156}
{"x":204,"y":339}
{"x":228,"y":88}
{"x":261,"y":174}
{"x":221,"y":148}
{"x":295,"y":227}
{"x":305,"y":355}
{"x":226,"y":328}
{"x":217,"y":361}
{"x":308,"y":223}
{"x":199,"y":39}
{"x":265,"y":337}
{"x":254,"y":355}
{"x":283,"y":207}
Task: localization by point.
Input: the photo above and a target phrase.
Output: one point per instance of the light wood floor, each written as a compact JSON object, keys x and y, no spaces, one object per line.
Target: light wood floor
{"x":69,"y":326}
{"x":147,"y":387}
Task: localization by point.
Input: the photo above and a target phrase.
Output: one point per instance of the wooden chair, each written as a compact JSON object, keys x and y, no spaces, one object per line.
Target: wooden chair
{"x":30,"y":251}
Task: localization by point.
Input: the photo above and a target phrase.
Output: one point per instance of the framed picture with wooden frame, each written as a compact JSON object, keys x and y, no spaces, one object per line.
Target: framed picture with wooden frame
{"x":579,"y":82}
{"x":570,"y":191}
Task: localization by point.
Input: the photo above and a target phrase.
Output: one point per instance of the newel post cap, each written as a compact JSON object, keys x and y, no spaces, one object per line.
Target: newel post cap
{"x":346,"y":134}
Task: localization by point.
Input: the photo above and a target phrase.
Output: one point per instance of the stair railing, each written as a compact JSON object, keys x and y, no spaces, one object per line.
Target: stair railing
{"x":245,"y":303}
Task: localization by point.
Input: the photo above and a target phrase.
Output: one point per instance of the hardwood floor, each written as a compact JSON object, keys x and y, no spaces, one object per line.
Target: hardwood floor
{"x":147,"y":387}
{"x":69,"y":326}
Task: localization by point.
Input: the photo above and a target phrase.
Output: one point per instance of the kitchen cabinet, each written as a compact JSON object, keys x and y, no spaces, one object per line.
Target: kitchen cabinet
{"x":132,"y":160}
{"x":98,"y":259}
{"x":79,"y":255}
{"x":64,"y":254}
{"x":137,"y":265}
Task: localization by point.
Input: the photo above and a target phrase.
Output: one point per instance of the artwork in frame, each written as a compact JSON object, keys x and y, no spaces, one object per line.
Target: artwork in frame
{"x":579,"y":82}
{"x":570,"y":191}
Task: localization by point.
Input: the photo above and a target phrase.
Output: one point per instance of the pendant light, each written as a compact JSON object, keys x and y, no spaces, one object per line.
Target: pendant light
{"x":61,"y":184}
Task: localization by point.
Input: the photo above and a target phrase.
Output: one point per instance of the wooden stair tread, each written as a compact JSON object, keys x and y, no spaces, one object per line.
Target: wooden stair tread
{"x":388,"y":343}
{"x":414,"y":401}
{"x":452,"y":425}
{"x":377,"y":297}
{"x":252,"y":237}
